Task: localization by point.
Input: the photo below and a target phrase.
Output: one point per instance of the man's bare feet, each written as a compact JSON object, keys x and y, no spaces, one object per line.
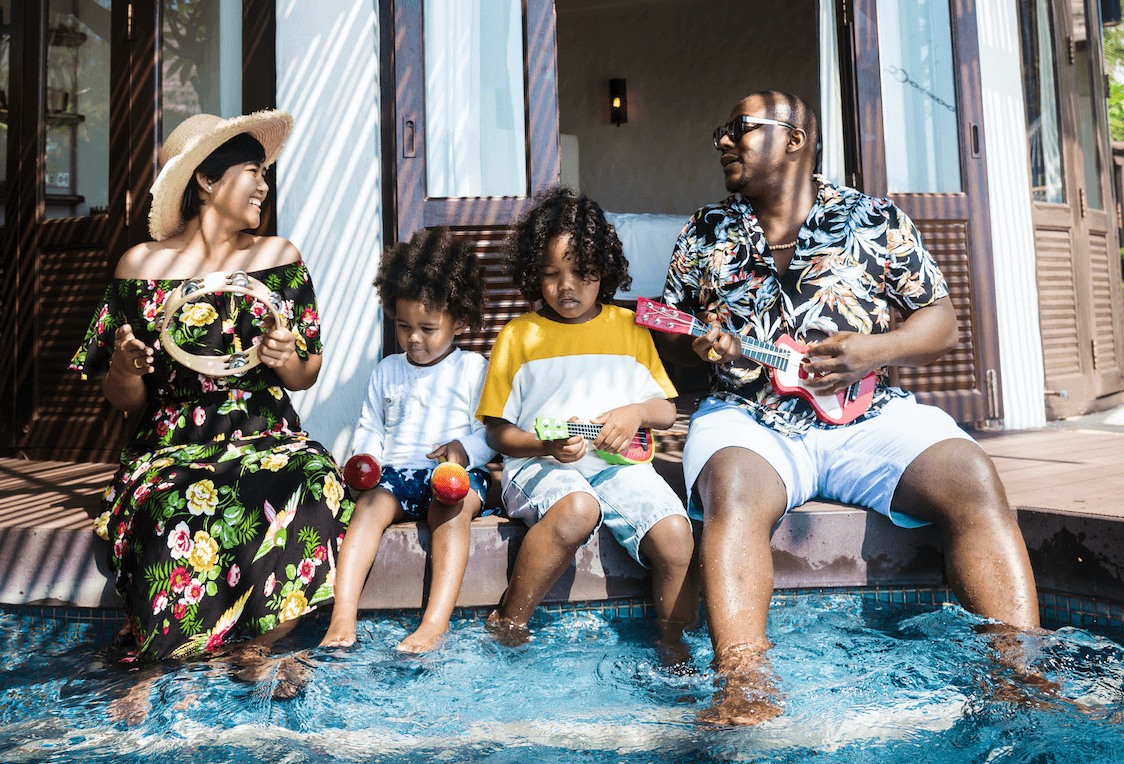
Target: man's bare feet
{"x":744,"y":699}
{"x":507,"y":632}
{"x":424,"y":639}
{"x":748,"y":692}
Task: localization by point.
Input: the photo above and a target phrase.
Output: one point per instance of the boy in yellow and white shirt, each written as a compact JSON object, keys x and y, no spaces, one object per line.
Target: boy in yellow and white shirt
{"x":580,"y":358}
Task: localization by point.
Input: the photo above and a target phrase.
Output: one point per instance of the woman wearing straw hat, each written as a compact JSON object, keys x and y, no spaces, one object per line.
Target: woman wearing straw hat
{"x":225,"y":517}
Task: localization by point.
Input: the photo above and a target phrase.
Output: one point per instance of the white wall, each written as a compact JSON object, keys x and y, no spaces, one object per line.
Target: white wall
{"x":329,"y":193}
{"x":1012,"y":228}
{"x":686,"y":63}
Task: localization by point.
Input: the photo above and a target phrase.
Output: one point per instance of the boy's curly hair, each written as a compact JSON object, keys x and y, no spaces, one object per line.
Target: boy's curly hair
{"x":439,"y":270}
{"x":593,"y":242}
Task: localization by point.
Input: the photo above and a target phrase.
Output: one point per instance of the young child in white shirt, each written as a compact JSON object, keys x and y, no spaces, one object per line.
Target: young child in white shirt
{"x":418,"y":412}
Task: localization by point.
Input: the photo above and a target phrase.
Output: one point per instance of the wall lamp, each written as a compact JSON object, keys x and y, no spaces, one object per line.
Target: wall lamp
{"x":618,"y":102}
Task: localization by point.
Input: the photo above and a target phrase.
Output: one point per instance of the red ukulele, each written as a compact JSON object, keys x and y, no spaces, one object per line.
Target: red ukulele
{"x":786,"y":372}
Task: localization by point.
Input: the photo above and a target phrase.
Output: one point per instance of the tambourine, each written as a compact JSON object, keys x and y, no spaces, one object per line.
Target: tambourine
{"x":237,"y":282}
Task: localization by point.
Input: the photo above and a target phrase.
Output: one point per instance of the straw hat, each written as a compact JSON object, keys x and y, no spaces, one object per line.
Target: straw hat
{"x":191,"y":143}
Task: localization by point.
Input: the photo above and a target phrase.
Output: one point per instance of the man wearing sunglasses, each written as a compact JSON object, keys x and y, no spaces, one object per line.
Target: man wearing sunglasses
{"x":791,"y":253}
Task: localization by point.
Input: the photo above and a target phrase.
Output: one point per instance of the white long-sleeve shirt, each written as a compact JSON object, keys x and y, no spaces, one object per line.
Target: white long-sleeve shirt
{"x":410,"y":410}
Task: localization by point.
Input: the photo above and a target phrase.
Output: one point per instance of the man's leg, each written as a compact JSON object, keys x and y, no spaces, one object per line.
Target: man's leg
{"x":742,"y":498}
{"x":953,"y":483}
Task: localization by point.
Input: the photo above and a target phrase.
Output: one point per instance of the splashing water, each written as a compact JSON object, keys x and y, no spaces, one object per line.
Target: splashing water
{"x":860,"y":685}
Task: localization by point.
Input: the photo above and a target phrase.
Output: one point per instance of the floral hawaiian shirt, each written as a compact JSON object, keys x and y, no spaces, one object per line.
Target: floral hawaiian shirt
{"x":855,"y":255}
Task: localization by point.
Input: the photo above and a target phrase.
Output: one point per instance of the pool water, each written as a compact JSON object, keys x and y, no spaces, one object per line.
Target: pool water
{"x":861,"y":685}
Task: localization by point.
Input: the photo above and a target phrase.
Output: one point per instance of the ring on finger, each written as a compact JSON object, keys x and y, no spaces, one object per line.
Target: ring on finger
{"x":712,"y":354}
{"x":136,"y":363}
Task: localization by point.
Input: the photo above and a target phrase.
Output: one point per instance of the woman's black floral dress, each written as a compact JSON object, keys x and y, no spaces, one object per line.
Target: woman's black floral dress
{"x":225,"y":518}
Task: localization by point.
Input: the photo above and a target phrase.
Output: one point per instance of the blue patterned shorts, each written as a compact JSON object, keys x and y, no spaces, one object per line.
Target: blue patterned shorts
{"x":411,"y":487}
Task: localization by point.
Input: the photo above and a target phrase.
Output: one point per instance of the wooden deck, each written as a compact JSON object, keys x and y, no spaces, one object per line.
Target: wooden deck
{"x":1067,"y":486}
{"x":1072,"y":471}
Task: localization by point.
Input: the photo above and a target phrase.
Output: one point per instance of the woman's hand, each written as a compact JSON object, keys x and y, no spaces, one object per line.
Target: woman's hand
{"x":131,"y":357}
{"x":131,"y":360}
{"x":277,"y":345}
{"x":278,"y":351}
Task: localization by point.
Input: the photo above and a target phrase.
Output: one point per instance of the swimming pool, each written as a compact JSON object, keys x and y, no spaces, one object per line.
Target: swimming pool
{"x":863,"y":682}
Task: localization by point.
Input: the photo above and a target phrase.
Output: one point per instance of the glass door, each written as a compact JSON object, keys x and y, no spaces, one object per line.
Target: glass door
{"x":1075,"y":242}
{"x":921,"y":143}
{"x":475,"y":127}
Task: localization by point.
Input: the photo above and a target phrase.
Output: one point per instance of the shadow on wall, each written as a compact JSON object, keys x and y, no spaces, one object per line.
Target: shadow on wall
{"x":329,"y":193}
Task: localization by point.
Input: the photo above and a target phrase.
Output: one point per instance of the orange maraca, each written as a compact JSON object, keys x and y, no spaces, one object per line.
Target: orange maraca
{"x":449,"y":483}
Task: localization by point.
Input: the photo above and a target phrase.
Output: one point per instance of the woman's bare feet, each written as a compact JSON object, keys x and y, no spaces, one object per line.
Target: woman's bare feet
{"x":132,"y":707}
{"x":424,"y":639}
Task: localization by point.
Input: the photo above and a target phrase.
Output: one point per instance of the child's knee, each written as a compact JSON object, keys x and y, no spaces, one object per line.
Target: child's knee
{"x":670,"y":543}
{"x":573,"y":518}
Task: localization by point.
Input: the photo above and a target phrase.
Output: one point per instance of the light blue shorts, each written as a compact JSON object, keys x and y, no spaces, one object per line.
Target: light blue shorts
{"x":633,"y":497}
{"x":857,"y":464}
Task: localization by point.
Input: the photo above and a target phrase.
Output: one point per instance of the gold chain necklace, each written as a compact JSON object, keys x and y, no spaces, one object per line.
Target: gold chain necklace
{"x":790,"y":245}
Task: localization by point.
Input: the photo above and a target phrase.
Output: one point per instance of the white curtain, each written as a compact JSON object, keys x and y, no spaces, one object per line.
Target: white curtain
{"x":474,"y":100}
{"x":831,"y":99}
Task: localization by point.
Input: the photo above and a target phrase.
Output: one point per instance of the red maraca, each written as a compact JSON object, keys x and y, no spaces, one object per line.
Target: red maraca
{"x":362,"y":472}
{"x":449,"y":483}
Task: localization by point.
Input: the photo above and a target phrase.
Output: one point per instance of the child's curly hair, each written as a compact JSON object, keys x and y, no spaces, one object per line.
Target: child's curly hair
{"x":593,"y":242}
{"x":437,"y":269}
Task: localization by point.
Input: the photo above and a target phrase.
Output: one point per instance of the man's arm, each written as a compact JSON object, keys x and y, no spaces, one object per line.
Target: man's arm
{"x":846,"y":357}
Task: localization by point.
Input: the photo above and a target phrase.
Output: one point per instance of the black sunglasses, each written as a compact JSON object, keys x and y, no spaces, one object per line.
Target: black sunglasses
{"x":739,"y":126}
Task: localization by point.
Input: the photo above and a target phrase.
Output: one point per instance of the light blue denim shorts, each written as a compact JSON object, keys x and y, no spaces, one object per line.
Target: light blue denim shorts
{"x":857,"y":464}
{"x":633,"y":497}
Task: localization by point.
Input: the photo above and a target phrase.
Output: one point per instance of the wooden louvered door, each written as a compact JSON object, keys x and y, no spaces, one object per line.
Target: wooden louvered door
{"x":1078,"y":266}
{"x":921,"y":143}
{"x":58,"y":228}
{"x":475,"y":116}
{"x":83,"y":113}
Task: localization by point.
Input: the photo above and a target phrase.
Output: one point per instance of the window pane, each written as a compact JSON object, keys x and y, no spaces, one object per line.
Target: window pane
{"x":918,"y":96}
{"x":1086,"y":107}
{"x":474,"y":106}
{"x":1036,"y":25}
{"x":5,"y":19}
{"x":77,"y":82}
{"x":202,"y":48}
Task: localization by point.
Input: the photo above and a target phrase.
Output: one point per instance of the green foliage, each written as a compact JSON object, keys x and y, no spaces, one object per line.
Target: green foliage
{"x":311,"y":540}
{"x":1114,"y":65}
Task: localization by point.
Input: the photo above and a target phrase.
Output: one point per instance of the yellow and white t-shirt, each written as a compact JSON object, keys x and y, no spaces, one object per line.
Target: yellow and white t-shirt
{"x":543,"y":368}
